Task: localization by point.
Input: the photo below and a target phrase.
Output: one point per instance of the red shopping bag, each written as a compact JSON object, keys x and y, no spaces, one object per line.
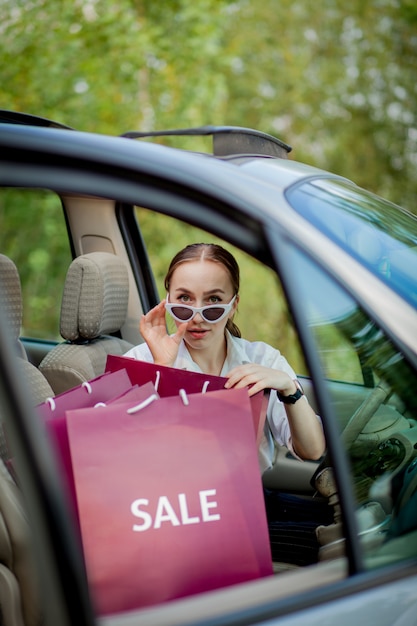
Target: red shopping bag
{"x":170,"y":498}
{"x":169,"y":380}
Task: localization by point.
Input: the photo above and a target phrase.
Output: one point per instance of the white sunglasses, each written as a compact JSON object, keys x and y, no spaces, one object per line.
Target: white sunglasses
{"x":212,"y":313}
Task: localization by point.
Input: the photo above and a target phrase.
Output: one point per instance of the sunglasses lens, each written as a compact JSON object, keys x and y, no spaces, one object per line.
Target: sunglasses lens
{"x":182,"y":313}
{"x":211,"y":315}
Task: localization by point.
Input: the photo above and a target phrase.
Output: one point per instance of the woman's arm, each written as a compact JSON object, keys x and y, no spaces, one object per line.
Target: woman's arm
{"x":307,"y":437}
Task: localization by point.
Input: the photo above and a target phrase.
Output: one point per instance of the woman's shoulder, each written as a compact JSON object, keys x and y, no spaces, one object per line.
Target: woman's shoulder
{"x":257,"y":351}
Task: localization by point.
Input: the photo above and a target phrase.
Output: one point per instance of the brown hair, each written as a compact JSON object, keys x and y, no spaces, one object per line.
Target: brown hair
{"x":209,"y":252}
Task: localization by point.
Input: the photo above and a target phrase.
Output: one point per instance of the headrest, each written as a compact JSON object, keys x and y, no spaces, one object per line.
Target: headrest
{"x":11,"y":294}
{"x":95,"y":296}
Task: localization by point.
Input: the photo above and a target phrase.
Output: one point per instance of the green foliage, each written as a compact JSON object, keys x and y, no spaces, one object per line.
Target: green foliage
{"x":336,"y":82}
{"x":59,"y":59}
{"x":33,"y":235}
{"x":111,"y":66}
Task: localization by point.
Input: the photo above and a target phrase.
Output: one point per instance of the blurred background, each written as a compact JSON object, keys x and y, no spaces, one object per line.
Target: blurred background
{"x":334,"y":79}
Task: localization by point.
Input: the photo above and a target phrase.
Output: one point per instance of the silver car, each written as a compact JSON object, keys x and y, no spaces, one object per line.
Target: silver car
{"x":333,"y":270}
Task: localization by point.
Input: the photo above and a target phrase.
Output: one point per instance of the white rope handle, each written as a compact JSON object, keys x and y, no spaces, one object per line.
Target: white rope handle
{"x":51,"y":403}
{"x":206,"y":384}
{"x":184,"y":397}
{"x":87,"y":386}
{"x":142,"y":405}
{"x":100,"y":404}
{"x":157,"y":379}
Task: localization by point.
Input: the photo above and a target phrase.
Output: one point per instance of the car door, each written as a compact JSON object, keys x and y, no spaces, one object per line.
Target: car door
{"x":370,"y":426}
{"x":373,"y":447}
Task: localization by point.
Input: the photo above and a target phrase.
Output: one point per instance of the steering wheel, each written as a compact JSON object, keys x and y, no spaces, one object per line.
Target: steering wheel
{"x":322,"y":478}
{"x":364,"y":412}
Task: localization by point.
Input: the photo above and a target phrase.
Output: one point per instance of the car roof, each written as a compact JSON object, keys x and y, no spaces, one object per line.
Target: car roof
{"x":258,"y":153}
{"x":155,"y":159}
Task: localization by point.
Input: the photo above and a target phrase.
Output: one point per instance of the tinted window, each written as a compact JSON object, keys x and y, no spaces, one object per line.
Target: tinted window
{"x":377,"y":422}
{"x":379,"y":234}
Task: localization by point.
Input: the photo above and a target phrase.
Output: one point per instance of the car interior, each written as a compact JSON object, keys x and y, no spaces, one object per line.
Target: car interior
{"x":106,"y":280}
{"x":93,"y":307}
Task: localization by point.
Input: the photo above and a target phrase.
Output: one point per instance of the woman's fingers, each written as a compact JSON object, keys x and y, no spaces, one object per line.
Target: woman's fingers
{"x":256,"y":377}
{"x":245,"y":375}
{"x":156,"y":315}
{"x":181,"y":329}
{"x":164,"y":347}
{"x":153,"y":318}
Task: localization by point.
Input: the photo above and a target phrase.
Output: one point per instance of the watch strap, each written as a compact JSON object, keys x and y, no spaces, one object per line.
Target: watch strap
{"x":293,"y":397}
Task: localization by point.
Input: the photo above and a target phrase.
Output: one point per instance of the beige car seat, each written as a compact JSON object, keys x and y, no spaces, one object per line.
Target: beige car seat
{"x":94,"y":305}
{"x":19,"y":599}
{"x":19,"y":596}
{"x":11,"y":300}
{"x":12,"y":307}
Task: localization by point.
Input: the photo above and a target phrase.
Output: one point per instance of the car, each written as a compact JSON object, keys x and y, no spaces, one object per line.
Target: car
{"x":329,"y":276}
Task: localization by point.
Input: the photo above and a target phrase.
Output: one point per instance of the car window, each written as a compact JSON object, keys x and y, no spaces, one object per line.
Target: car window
{"x":262,"y":315}
{"x":379,"y":234}
{"x":33,"y":234}
{"x":377,"y":423}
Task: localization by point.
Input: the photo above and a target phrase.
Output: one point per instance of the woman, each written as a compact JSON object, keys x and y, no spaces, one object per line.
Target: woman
{"x":202,"y":285}
{"x":207,"y":275}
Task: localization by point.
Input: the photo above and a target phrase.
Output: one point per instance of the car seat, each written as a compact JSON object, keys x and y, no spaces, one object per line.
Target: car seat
{"x":12,"y":307}
{"x":19,"y":599}
{"x":11,"y":299}
{"x":19,"y":594}
{"x":94,"y":305}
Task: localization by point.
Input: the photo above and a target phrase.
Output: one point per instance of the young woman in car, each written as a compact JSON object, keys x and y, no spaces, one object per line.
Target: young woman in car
{"x":202,"y":285}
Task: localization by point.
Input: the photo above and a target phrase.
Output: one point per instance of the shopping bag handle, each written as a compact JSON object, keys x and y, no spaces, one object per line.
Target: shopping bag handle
{"x":158,"y":378}
{"x":142,"y":405}
{"x":155,"y":396}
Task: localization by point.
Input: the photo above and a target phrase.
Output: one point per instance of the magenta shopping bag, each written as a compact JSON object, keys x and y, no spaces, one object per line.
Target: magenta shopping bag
{"x":104,"y":388}
{"x":169,"y":496}
{"x":169,"y":380}
{"x":87,"y":394}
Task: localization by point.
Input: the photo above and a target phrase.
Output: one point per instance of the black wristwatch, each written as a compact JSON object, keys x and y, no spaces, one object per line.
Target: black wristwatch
{"x":292,"y":399}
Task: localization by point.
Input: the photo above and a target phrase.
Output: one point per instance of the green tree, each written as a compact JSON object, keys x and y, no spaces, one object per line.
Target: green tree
{"x":337,"y":81}
{"x":110,"y":66}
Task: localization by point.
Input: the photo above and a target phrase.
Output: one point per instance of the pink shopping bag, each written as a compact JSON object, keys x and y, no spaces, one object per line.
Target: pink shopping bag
{"x":168,"y":381}
{"x":87,"y":394}
{"x":104,"y":388}
{"x":169,"y":496}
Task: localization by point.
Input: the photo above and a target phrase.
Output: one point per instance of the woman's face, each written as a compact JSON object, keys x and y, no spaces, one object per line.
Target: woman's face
{"x":201,"y":283}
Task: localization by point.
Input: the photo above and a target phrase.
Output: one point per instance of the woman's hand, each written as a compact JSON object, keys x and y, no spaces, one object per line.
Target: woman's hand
{"x":164,"y":347}
{"x":259,"y":377}
{"x":307,"y":435}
